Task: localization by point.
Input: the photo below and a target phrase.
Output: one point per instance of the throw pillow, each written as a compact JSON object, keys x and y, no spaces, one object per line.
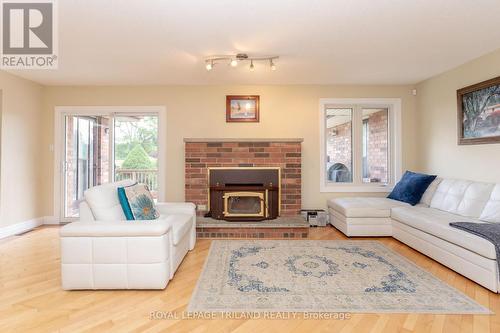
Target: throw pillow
{"x":411,"y":187}
{"x":137,"y":202}
{"x":122,"y":197}
{"x":429,"y":193}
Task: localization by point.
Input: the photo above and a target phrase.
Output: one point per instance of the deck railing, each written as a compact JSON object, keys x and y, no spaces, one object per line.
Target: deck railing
{"x":145,"y":176}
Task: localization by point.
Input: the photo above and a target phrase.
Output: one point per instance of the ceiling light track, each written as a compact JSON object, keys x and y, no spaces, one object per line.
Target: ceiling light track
{"x":234,"y":60}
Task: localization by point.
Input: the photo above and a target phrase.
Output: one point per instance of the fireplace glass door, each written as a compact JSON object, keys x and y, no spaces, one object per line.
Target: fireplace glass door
{"x":244,"y":204}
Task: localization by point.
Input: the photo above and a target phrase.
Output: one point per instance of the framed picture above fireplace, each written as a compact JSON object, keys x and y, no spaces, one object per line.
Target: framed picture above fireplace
{"x":242,"y":108}
{"x":479,"y":113}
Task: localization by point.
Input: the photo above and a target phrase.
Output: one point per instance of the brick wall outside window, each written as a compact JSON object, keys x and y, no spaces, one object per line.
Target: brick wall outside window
{"x":378,"y":146}
{"x":339,"y":145}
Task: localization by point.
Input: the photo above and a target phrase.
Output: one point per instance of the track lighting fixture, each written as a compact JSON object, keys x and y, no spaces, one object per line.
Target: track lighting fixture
{"x":233,"y":60}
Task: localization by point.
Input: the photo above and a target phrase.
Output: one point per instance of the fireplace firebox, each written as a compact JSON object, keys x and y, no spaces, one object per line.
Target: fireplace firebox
{"x":244,"y":193}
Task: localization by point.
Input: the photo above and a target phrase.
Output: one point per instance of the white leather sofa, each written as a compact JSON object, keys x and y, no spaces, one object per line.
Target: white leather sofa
{"x":104,"y":251}
{"x":425,"y":227}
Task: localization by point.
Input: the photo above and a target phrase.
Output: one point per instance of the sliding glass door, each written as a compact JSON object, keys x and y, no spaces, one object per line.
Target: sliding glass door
{"x":102,"y":148}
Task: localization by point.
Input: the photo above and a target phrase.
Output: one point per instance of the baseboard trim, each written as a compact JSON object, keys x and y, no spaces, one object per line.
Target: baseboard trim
{"x":51,"y":220}
{"x":19,"y":228}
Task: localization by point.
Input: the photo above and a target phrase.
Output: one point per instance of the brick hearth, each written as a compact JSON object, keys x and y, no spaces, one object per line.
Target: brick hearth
{"x":201,"y":154}
{"x":246,"y":232}
{"x":282,"y":227}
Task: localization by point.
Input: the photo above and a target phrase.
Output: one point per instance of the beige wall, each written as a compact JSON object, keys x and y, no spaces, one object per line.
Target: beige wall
{"x":199,"y":111}
{"x":22,"y":153}
{"x":27,"y":119}
{"x":438,"y":150}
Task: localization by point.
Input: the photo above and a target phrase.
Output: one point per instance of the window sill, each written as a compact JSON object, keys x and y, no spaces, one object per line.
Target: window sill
{"x":356,"y":189}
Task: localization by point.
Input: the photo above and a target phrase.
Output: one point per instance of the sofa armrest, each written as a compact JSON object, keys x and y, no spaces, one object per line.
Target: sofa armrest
{"x":188,"y":208}
{"x":167,"y":208}
{"x":115,"y":229}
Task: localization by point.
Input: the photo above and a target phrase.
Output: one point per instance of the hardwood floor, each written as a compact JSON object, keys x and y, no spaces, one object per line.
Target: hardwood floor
{"x":31,"y":299}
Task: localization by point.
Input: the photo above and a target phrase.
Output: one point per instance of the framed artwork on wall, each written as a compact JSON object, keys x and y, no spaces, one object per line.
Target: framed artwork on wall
{"x":242,"y":109}
{"x":479,"y":113}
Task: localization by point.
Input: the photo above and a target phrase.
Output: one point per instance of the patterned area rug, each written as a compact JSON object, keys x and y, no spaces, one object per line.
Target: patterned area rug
{"x":320,"y":276}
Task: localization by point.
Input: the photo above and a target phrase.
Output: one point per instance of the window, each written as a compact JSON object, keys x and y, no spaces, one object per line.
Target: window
{"x":360,"y":144}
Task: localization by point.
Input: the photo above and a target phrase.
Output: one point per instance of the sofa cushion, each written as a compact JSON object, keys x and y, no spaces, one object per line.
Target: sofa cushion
{"x":364,"y":206}
{"x":436,"y":223}
{"x":449,"y":194}
{"x":104,"y":203}
{"x":491,"y":211}
{"x":475,"y":198}
{"x":411,"y":187}
{"x":462,"y":197}
{"x":429,"y":193}
{"x":181,"y":225}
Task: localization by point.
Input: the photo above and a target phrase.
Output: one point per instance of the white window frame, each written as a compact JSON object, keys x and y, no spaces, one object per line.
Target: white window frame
{"x":395,"y":147}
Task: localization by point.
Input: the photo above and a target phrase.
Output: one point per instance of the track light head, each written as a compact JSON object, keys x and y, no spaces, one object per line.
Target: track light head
{"x":252,"y":67}
{"x":273,"y":66}
{"x":209,"y":65}
{"x":234,"y":63}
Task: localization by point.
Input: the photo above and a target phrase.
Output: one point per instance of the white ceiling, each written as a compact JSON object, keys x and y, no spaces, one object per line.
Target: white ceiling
{"x":133,"y":42}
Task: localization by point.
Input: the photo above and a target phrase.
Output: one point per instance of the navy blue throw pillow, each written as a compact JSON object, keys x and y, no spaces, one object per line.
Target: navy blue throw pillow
{"x":411,"y":187}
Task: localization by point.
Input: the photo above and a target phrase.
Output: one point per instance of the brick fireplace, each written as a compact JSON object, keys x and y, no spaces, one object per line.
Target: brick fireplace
{"x":201,"y":154}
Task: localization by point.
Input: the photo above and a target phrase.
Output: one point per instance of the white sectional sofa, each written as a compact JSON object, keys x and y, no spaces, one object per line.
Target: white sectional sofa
{"x":425,"y":227}
{"x":104,"y":251}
